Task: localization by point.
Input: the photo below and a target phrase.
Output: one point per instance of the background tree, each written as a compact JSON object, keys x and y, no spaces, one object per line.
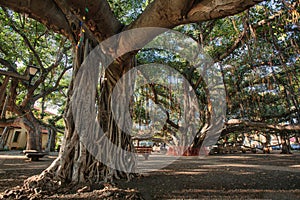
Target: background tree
{"x":25,"y":42}
{"x":260,"y":70}
{"x":262,"y":74}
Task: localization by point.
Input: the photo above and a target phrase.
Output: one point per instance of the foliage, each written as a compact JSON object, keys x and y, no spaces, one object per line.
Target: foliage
{"x":127,"y":11}
{"x":259,"y":56}
{"x":25,"y":42}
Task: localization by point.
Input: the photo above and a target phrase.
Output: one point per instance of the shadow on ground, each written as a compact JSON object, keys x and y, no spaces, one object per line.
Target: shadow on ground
{"x":235,"y":176}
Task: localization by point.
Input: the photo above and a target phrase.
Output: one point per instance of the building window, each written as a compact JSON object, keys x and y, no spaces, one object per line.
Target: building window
{"x":16,"y":136}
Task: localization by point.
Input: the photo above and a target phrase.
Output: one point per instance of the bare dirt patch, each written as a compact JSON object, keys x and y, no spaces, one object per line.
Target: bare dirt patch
{"x":15,"y":168}
{"x":231,"y":176}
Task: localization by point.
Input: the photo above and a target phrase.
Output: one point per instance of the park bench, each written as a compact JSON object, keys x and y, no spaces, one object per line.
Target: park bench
{"x":34,"y":155}
{"x":145,"y":151}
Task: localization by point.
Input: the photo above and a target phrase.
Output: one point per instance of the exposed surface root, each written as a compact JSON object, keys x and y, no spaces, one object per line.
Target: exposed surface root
{"x":34,"y":187}
{"x":43,"y":186}
{"x":109,"y":192}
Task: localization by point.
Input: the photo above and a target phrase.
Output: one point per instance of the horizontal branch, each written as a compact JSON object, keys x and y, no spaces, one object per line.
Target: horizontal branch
{"x":7,"y":64}
{"x":206,"y":10}
{"x":46,"y":12}
{"x":261,"y":126}
{"x":15,"y":75}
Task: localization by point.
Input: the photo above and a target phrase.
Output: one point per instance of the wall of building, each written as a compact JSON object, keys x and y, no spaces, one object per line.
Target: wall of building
{"x":17,"y":139}
{"x":44,"y":140}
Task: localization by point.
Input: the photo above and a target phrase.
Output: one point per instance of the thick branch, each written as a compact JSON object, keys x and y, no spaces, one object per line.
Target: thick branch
{"x":207,"y":9}
{"x":7,"y":64}
{"x":262,"y":126}
{"x":98,"y":16}
{"x":54,"y":88}
{"x":14,"y":74}
{"x":45,"y":11}
{"x":163,"y":13}
{"x":171,"y":13}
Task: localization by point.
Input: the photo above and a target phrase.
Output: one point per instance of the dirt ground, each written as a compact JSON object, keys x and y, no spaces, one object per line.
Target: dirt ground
{"x":230,"y":176}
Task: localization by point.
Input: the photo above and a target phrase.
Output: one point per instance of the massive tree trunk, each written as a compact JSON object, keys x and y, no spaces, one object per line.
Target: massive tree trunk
{"x":75,"y":163}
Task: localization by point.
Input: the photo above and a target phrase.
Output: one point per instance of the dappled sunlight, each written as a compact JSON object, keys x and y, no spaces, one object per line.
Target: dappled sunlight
{"x":5,"y":180}
{"x":242,"y":172}
{"x":252,"y":176}
{"x":14,"y":164}
{"x":11,"y":157}
{"x":238,"y":165}
{"x":191,"y":172}
{"x":232,"y":194}
{"x":209,"y":163}
{"x":235,"y":157}
{"x":295,"y":166}
{"x":204,"y":177}
{"x":15,"y":168}
{"x":183,"y":172}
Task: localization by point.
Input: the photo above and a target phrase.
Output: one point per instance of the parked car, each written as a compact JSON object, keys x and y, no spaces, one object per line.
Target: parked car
{"x":276,"y":147}
{"x":295,"y":146}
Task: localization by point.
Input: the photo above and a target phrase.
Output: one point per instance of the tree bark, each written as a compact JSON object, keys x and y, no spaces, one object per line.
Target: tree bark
{"x":240,"y":124}
{"x":285,"y":146}
{"x":3,"y":138}
{"x":51,"y":140}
